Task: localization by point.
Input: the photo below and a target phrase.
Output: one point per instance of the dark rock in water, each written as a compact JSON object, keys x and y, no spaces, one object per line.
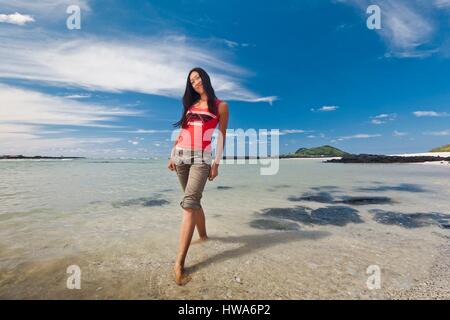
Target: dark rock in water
{"x":375,"y":158}
{"x":282,"y":186}
{"x":299,"y":214}
{"x":404,"y":187}
{"x":359,"y":201}
{"x":154,"y":202}
{"x":410,"y":220}
{"x":322,"y":197}
{"x":223,"y":187}
{"x":146,"y":202}
{"x":326,"y":197}
{"x":336,"y":215}
{"x":329,"y":188}
{"x":279,"y":186}
{"x":332,"y":215}
{"x":274,"y":225}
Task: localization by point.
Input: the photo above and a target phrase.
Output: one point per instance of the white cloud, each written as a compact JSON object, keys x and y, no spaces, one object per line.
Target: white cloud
{"x":156,"y":66}
{"x":438,"y":133}
{"x":325,"y":109}
{"x":430,"y":114}
{"x":49,"y":8}
{"x":288,"y":131}
{"x":399,"y":134}
{"x":16,"y":18}
{"x":26,"y":115}
{"x":383,"y":118}
{"x":359,"y":136}
{"x":145,"y":131}
{"x":408,"y":26}
{"x":78,"y":96}
{"x":32,"y":107}
{"x":442,"y":3}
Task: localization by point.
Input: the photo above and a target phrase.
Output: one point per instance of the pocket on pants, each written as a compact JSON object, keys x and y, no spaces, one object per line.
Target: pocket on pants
{"x":177,"y":160}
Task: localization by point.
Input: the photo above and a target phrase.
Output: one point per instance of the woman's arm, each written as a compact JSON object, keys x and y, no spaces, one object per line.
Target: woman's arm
{"x":172,"y":153}
{"x":223,"y":123}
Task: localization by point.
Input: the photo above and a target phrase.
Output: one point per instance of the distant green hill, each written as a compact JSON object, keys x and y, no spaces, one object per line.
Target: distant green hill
{"x":323,"y":151}
{"x":442,"y":149}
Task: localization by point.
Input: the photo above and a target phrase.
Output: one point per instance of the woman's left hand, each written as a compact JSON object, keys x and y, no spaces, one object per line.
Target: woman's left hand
{"x":214,"y":172}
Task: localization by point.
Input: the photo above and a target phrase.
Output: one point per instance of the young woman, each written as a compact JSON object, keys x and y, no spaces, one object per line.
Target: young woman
{"x":191,"y":157}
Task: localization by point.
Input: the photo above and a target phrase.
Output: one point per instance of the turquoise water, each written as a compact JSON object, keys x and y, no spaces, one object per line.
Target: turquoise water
{"x":55,"y":209}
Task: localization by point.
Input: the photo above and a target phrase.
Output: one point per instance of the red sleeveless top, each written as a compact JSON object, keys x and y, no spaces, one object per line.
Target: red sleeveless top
{"x":198,"y":130}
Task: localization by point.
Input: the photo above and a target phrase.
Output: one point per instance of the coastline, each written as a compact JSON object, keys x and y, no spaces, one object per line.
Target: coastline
{"x":431,"y":154}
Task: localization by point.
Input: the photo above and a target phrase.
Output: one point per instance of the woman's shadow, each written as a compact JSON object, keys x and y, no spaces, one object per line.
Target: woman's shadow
{"x":252,"y":243}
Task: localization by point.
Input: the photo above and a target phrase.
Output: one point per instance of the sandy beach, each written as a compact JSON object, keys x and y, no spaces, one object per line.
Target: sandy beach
{"x":431,"y":154}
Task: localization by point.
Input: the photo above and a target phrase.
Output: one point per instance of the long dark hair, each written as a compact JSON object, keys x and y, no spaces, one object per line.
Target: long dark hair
{"x":191,"y":96}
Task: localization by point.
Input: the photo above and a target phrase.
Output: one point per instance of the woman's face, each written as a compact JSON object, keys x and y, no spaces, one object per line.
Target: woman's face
{"x":196,"y":82}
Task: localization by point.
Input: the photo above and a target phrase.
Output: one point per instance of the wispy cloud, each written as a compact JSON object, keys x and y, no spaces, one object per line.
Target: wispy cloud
{"x":78,"y":96}
{"x":54,"y":8}
{"x":33,"y":107}
{"x":157,"y":66}
{"x":383,"y":118}
{"x":359,"y":136}
{"x":234,"y":44}
{"x":28,"y":119}
{"x":399,"y":134}
{"x":16,"y":18}
{"x":290,"y":131}
{"x":408,"y":26}
{"x":438,"y":133}
{"x":325,"y":109}
{"x":145,"y":131}
{"x":430,"y":114}
{"x":442,"y":3}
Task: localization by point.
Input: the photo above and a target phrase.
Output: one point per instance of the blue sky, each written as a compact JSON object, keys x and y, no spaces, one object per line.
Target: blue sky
{"x":310,"y":68}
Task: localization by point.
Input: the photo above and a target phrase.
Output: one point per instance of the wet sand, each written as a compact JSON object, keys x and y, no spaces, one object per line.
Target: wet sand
{"x":238,"y":263}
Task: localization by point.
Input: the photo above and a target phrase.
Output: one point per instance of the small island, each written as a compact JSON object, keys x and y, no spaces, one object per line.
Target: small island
{"x":318,"y":152}
{"x":442,"y":149}
{"x":17,"y":157}
{"x":340,"y":156}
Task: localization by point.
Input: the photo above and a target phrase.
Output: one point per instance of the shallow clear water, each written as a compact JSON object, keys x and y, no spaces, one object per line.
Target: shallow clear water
{"x":130,"y":208}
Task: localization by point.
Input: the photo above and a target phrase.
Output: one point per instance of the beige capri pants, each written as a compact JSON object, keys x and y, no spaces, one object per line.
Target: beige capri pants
{"x":192,"y":167}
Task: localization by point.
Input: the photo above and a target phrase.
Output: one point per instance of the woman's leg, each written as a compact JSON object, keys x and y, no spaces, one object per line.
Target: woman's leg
{"x":193,"y":215}
{"x":186,"y":232}
{"x":201,"y":224}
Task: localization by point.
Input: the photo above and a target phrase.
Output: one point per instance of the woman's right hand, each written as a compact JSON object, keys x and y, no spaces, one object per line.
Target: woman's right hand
{"x":171,"y":165}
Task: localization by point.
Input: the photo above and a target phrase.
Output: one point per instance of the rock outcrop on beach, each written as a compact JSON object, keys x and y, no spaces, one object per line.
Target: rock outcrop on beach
{"x":375,"y":158}
{"x":318,"y":152}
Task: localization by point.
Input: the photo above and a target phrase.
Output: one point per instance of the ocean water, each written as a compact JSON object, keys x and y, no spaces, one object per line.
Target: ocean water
{"x":120,"y":218}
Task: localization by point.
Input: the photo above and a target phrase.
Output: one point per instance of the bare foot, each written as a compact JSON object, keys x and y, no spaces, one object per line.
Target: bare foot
{"x":200,"y":240}
{"x":180,"y":276}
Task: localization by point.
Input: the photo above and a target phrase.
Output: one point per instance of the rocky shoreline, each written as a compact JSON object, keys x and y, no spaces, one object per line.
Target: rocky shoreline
{"x":374,"y":158}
